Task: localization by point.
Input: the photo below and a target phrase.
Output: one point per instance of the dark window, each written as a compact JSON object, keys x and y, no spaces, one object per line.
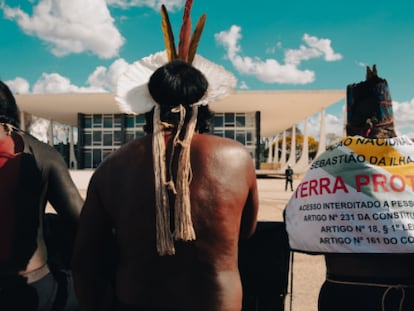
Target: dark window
{"x":87,"y":139}
{"x":241,"y":137}
{"x":88,"y":122}
{"x":117,"y":120}
{"x":240,"y":121}
{"x":97,"y":138}
{"x":97,"y":157}
{"x":108,"y":121}
{"x":218,"y":121}
{"x":229,"y":134}
{"x":249,"y":137}
{"x":229,"y":119}
{"x":87,"y":159}
{"x":107,"y":139}
{"x":130,"y":121}
{"x":97,"y":120}
{"x":117,"y":138}
{"x":140,"y":120}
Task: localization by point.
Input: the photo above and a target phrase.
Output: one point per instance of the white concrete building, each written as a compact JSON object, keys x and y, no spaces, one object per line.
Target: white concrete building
{"x":246,"y":116}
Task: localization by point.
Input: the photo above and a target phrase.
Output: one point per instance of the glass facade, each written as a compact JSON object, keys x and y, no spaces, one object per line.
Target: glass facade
{"x":100,"y":134}
{"x":239,"y":126}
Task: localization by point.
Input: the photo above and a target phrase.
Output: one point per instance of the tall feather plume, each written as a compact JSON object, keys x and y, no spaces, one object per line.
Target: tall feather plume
{"x":168,"y":34}
{"x":195,"y":38}
{"x":185,"y":32}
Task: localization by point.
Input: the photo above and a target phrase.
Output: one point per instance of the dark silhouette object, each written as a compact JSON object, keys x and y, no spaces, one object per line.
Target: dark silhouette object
{"x":264,"y":268}
{"x":289,"y":178}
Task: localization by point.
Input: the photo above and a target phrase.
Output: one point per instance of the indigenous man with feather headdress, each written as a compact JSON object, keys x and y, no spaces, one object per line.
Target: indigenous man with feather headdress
{"x":355,"y":205}
{"x":174,"y":203}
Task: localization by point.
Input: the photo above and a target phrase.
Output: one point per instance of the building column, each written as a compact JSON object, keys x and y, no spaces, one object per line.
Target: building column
{"x":270,"y":154}
{"x":50,"y":133}
{"x":22,"y":121}
{"x":292,"y":155}
{"x":283,"y":155}
{"x":276,"y":152}
{"x":258,"y":134}
{"x":322,"y":135}
{"x":73,"y":163}
{"x":303,"y":163}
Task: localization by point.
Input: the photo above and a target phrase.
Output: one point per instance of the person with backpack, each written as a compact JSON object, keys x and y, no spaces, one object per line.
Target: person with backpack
{"x":32,"y":173}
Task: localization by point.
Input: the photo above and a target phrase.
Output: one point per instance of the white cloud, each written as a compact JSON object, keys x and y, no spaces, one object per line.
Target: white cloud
{"x":39,"y":128}
{"x":361,"y":64}
{"x":334,"y":124}
{"x":106,"y":78}
{"x":270,"y":70}
{"x":295,"y":57}
{"x":102,"y":79}
{"x":55,"y":83}
{"x":404,"y":116}
{"x":18,"y":85}
{"x":314,"y":48}
{"x":333,"y":127}
{"x":171,"y":5}
{"x":229,"y":39}
{"x":74,"y":26}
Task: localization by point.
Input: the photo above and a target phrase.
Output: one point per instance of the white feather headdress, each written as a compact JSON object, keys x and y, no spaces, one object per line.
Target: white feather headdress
{"x":132,"y":91}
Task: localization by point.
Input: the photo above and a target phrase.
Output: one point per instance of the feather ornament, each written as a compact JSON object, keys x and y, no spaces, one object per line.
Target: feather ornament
{"x":220,"y":81}
{"x":168,"y":34}
{"x":185,"y":32}
{"x":132,"y":95}
{"x":195,"y":38}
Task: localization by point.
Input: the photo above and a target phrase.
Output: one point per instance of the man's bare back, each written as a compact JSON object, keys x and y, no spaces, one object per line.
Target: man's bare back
{"x":203,"y":274}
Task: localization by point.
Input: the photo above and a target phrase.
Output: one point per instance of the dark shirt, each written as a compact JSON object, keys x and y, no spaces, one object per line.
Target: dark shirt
{"x":289,"y":174}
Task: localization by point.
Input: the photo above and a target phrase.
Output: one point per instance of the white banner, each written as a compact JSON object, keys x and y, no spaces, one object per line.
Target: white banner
{"x":357,"y":197}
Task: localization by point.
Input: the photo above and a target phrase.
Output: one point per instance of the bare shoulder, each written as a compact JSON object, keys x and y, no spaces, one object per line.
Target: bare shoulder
{"x":224,"y":161}
{"x":211,"y":145}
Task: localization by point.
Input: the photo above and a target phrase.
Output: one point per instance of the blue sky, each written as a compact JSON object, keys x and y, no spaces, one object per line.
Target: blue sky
{"x":58,"y":46}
